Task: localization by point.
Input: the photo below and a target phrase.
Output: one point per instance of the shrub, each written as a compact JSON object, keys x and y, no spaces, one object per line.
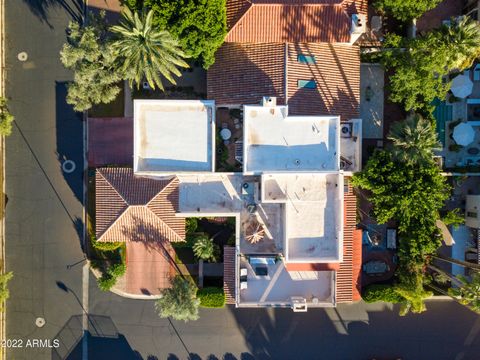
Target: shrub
{"x":204,"y":248}
{"x":6,"y":119}
{"x":191,"y":225}
{"x":211,"y":297}
{"x":109,"y":278}
{"x":106,"y":282}
{"x":4,"y":293}
{"x":381,"y":292}
{"x":104,"y":246}
{"x":117,"y":270}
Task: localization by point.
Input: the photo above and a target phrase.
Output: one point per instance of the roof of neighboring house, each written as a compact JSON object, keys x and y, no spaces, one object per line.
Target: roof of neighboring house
{"x":131,"y":208}
{"x":291,"y":20}
{"x":244,"y":73}
{"x":336,"y":72}
{"x":348,"y":281}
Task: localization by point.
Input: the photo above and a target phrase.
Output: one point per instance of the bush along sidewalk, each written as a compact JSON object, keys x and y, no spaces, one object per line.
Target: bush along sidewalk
{"x":211,"y":297}
{"x":109,"y":277}
{"x":109,"y":259}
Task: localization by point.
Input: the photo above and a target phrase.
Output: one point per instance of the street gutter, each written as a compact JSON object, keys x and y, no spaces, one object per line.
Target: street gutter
{"x":2,"y":174}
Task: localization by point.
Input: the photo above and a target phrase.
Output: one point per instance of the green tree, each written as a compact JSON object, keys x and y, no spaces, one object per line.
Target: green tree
{"x":6,"y":119}
{"x":462,"y":40}
{"x":420,"y":66}
{"x":4,"y":293}
{"x":89,"y":55}
{"x":413,"y":194}
{"x":179,"y":301}
{"x":454,"y":218}
{"x":405,"y":9}
{"x":204,"y":248}
{"x":469,"y":291}
{"x":414,"y":140}
{"x":145,"y":51}
{"x":199,"y":25}
{"x":412,"y":291}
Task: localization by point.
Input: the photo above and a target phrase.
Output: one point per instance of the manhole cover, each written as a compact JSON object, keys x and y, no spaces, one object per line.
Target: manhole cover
{"x":68,"y":166}
{"x":22,"y":56}
{"x":40,"y":322}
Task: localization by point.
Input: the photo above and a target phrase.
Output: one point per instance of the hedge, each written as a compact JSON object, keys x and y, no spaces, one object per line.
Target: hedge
{"x":211,"y":297}
{"x":104,"y":246}
{"x":381,"y":292}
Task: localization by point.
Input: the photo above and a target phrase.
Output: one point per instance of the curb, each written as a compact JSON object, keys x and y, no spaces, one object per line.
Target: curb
{"x":440,"y":297}
{"x":2,"y":175}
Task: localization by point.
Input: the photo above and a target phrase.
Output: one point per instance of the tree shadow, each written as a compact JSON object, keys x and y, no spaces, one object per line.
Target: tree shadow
{"x":69,"y":135}
{"x":337,"y":90}
{"x":104,"y":340}
{"x":42,"y":9}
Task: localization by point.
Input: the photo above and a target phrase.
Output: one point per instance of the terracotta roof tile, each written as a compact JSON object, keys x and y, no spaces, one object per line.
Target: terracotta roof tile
{"x":229,"y":274}
{"x":130,"y":208}
{"x":243,"y":73}
{"x":336,"y":72}
{"x":235,"y":10}
{"x":133,"y":189}
{"x":348,"y":276}
{"x":291,"y":20}
{"x":292,"y":23}
{"x":109,"y":205}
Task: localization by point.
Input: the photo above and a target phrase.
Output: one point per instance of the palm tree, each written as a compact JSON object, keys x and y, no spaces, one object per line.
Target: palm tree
{"x":204,"y":248}
{"x":463,"y":39}
{"x":146,"y":51}
{"x":413,"y":139}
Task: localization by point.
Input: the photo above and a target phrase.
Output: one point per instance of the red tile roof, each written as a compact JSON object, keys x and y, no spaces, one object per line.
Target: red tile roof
{"x":337,"y":76}
{"x":130,"y":208}
{"x":348,"y":276}
{"x":292,"y":23}
{"x":243,"y":73}
{"x":229,"y":274}
{"x":291,"y":20}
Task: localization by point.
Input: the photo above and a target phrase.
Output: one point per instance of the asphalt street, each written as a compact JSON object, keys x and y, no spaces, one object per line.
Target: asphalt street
{"x":43,"y":249}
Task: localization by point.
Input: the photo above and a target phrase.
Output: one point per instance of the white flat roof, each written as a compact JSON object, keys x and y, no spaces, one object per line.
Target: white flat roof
{"x":210,"y":193}
{"x":174,"y":136}
{"x":274,"y":141}
{"x":280,"y":285}
{"x":313,"y":214}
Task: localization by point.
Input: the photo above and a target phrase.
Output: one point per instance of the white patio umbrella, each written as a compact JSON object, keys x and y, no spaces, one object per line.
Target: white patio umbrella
{"x":462,"y":86}
{"x":463,"y":134}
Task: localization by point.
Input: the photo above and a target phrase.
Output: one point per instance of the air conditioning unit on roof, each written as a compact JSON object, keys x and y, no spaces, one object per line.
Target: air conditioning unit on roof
{"x":359,"y":23}
{"x":269,"y":101}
